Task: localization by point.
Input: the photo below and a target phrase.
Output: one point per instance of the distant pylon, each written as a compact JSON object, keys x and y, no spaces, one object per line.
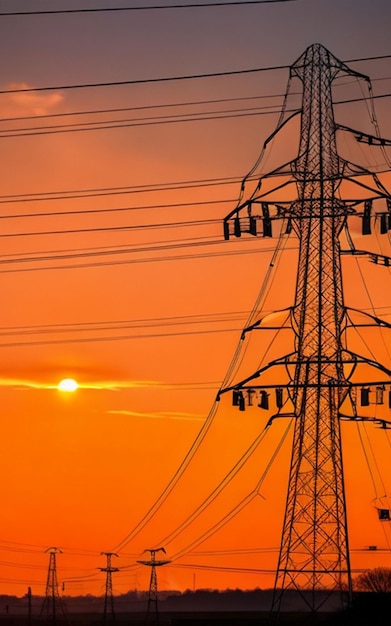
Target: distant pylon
{"x":153,"y":617}
{"x":29,"y":595}
{"x":52,"y":604}
{"x":109,"y":601}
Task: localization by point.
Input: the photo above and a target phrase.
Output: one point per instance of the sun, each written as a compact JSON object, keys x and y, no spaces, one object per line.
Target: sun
{"x":67,"y":384}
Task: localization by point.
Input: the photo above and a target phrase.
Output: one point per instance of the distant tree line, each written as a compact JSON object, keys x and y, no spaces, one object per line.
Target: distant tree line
{"x":377,"y":580}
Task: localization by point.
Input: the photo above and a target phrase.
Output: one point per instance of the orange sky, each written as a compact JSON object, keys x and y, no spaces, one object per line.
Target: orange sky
{"x":148,"y":335}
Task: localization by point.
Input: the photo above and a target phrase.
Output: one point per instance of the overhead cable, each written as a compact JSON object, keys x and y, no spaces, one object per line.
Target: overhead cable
{"x":111,"y":191}
{"x":144,"y":107}
{"x":119,"y":210}
{"x":129,"y":227}
{"x":158,"y":106}
{"x":78,"y":266}
{"x":203,"y":318}
{"x":213,"y":495}
{"x":192,"y":5}
{"x":242,"y":504}
{"x":77,"y":127}
{"x":141,"y":81}
{"x":143,"y":121}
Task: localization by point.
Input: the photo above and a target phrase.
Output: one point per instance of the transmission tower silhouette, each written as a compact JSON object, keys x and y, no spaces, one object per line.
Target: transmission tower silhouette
{"x":52,"y":605}
{"x":152,"y":615}
{"x":108,"y":608}
{"x":322,"y":374}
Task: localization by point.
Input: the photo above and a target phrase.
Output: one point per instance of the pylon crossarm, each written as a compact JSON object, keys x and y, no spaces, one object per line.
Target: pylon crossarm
{"x":282,"y":205}
{"x":332,"y":383}
{"x":386,"y":424}
{"x":283,"y":170}
{"x":154,"y":563}
{"x":355,"y":360}
{"x":361,"y":383}
{"x":276,"y":363}
{"x":355,"y":252}
{"x":348,"y":70}
{"x":108,"y":569}
{"x":282,"y":209}
{"x":361,"y":137}
{"x":376,"y":258}
{"x":377,"y":320}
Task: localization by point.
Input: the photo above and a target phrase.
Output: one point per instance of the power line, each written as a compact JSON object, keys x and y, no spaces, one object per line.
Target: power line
{"x":221,"y":568}
{"x":74,"y":231}
{"x":139,"y":189}
{"x":239,"y":506}
{"x":111,"y":191}
{"x":375,"y":58}
{"x":143,"y":121}
{"x":156,"y":121}
{"x":213,"y":495}
{"x":141,"y":81}
{"x":193,"y":5}
{"x":117,"y":210}
{"x":46,"y":342}
{"x":66,"y":256}
{"x":158,"y":106}
{"x":107,"y":250}
{"x":90,"y":265}
{"x":204,"y":318}
{"x":145,"y":107}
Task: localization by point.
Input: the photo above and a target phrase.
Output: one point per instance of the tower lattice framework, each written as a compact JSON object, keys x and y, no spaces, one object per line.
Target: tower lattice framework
{"x":152,"y":615}
{"x":52,"y":605}
{"x":314,"y":546}
{"x":321,"y":371}
{"x":108,"y":607}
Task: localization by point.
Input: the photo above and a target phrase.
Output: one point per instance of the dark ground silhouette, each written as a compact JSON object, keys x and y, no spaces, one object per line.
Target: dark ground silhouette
{"x":191,"y":608}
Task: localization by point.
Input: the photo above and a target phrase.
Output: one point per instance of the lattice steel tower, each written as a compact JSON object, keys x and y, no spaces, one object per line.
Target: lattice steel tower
{"x":314,"y":551}
{"x":52,"y":605}
{"x":152,"y":615}
{"x":314,"y":546}
{"x":108,"y":608}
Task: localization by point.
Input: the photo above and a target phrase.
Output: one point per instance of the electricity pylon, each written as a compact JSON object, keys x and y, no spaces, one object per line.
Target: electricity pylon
{"x":52,"y":604}
{"x":109,"y":600}
{"x":322,"y":371}
{"x":29,"y":611}
{"x":152,"y":615}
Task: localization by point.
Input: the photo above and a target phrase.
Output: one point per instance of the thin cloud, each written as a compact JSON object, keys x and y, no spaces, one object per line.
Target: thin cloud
{"x":118,"y":385}
{"x":104,"y":385}
{"x":161,"y":415}
{"x":22,"y":384}
{"x":28,"y":103}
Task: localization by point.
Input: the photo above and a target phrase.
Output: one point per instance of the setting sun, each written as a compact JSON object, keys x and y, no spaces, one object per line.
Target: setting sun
{"x":67,"y":384}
